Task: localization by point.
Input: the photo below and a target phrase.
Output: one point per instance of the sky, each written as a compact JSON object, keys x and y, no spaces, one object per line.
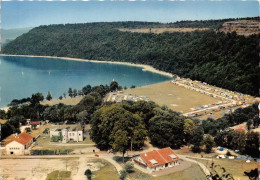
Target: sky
{"x":20,"y":14}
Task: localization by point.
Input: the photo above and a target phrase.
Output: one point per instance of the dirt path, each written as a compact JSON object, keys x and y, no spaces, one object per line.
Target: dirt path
{"x":81,"y":170}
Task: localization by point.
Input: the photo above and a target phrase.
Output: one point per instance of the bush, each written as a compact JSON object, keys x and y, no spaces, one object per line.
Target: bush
{"x":50,"y":152}
{"x":119,"y":159}
{"x":46,"y":131}
{"x":55,"y":138}
{"x":129,"y":167}
{"x":28,"y":129}
{"x":228,"y":153}
{"x":88,"y":173}
{"x":122,"y":175}
{"x":42,"y":152}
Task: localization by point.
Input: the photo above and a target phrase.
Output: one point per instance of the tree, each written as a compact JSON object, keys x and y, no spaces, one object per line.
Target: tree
{"x":209,"y":143}
{"x":75,"y":92}
{"x":28,"y":129}
{"x":60,"y":98}
{"x":80,"y":93}
{"x":256,"y":121}
{"x":86,"y":89}
{"x":2,"y":114}
{"x":120,"y":143}
{"x":133,"y":86}
{"x":188,"y":129}
{"x":36,"y":98}
{"x":113,"y":86}
{"x":166,"y":129}
{"x":49,"y":97}
{"x":70,"y":92}
{"x":83,"y":116}
{"x":252,"y":144}
{"x":122,"y":174}
{"x":129,"y":167}
{"x":64,"y":95}
{"x":197,"y":139}
{"x":114,"y":127}
{"x":88,"y":173}
{"x":248,"y":124}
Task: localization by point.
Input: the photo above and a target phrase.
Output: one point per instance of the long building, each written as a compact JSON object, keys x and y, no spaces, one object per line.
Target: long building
{"x":67,"y":134}
{"x":19,"y":145}
{"x":157,"y":159}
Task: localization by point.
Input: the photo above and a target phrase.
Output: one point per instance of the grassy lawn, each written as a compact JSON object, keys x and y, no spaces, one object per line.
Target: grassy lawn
{"x":192,"y":173}
{"x":235,"y":167}
{"x":175,"y":97}
{"x":59,"y":175}
{"x":67,"y":101}
{"x":107,"y":172}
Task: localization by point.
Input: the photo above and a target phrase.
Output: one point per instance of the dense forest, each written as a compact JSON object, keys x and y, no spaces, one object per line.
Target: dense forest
{"x":226,"y":60}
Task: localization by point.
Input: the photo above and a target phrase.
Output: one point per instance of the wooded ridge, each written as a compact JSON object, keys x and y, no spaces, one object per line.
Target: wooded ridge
{"x":226,"y":60}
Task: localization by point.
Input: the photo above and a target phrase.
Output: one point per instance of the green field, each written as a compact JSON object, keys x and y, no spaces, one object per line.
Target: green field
{"x":175,"y":97}
{"x":107,"y":172}
{"x":59,"y":175}
{"x":192,"y":173}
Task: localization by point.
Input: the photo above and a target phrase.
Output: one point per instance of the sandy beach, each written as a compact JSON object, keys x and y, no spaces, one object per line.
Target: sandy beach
{"x":144,"y":67}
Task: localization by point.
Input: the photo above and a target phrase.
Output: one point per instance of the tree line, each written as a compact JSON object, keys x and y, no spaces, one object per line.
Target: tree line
{"x":31,"y":108}
{"x":227,"y":60}
{"x":127,"y":125}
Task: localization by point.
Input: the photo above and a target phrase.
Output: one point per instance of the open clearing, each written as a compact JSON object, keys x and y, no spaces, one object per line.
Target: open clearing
{"x":175,"y":97}
{"x":162,"y":30}
{"x":40,"y":168}
{"x":192,"y":173}
{"x":243,"y":127}
{"x":34,"y":169}
{"x":235,"y":167}
{"x":67,"y":101}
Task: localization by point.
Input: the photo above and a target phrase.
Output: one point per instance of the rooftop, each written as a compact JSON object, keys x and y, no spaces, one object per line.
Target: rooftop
{"x":22,"y":138}
{"x":159,"y":157}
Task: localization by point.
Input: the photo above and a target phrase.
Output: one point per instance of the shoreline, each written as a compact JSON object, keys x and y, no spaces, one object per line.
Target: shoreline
{"x":143,"y":66}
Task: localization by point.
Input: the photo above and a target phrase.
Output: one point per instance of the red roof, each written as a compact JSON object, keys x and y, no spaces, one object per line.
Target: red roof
{"x":161,"y":156}
{"x":22,"y":138}
{"x":35,"y":123}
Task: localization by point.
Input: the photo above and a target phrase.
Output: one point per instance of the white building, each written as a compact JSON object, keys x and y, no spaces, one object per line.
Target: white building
{"x":19,"y":145}
{"x":67,"y":135}
{"x":157,"y":160}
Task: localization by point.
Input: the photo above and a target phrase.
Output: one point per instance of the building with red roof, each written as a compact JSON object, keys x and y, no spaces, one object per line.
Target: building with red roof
{"x":19,"y":144}
{"x":157,"y":159}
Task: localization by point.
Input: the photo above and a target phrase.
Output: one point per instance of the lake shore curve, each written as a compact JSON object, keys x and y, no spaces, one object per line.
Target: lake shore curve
{"x":144,"y":67}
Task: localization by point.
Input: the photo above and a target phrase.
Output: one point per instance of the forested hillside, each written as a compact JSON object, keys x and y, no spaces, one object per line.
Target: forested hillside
{"x":225,"y":60}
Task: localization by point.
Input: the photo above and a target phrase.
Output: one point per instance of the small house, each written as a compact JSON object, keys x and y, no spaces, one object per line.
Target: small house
{"x":157,"y":159}
{"x":19,"y":144}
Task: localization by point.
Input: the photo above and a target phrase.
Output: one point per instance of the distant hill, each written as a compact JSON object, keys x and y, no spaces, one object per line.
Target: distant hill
{"x":226,"y":60}
{"x":8,"y":35}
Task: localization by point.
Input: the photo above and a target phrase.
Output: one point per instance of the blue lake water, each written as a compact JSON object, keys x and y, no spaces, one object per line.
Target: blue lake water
{"x":20,"y":77}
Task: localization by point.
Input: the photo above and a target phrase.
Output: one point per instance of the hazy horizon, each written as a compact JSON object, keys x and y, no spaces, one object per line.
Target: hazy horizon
{"x":24,"y":14}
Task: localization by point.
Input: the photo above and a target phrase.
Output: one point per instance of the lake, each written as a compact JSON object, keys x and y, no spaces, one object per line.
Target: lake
{"x":20,"y":77}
